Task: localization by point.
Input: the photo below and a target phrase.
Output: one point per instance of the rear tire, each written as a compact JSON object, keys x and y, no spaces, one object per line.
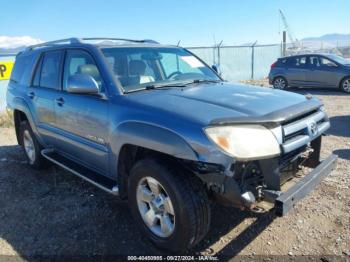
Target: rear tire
{"x":31,"y":147}
{"x":345,"y":85}
{"x":189,"y":205}
{"x":280,"y":83}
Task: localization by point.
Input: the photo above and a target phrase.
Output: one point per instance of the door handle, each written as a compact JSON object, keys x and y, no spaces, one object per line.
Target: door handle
{"x":31,"y":95}
{"x":59,"y":101}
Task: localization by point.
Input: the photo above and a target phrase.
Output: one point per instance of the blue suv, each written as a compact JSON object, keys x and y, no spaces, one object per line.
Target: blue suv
{"x":155,"y":125}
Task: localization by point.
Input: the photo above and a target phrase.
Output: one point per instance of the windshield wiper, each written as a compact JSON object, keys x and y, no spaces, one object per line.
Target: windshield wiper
{"x":198,"y":81}
{"x":153,"y":87}
{"x":150,"y":87}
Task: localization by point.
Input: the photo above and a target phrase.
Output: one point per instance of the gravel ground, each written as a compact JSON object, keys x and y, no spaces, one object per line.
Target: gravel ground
{"x":54,"y":213}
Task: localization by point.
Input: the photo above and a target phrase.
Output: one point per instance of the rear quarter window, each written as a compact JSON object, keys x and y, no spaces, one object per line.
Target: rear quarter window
{"x":282,"y":62}
{"x":22,"y":70}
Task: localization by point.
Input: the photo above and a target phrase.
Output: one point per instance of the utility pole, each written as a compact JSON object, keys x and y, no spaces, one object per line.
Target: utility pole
{"x":284,"y":43}
{"x":219,"y":58}
{"x":253,"y":58}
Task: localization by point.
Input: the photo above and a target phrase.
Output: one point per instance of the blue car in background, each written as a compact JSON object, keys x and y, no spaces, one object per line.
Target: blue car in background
{"x":311,"y":70}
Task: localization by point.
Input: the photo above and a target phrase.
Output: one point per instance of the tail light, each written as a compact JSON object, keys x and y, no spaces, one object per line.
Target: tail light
{"x":274,"y":65}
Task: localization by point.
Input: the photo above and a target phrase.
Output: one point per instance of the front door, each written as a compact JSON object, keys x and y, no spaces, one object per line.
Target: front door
{"x":83,"y":119}
{"x":322,"y":73}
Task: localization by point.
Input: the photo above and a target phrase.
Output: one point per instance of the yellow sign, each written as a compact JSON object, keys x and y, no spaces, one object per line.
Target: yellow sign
{"x":5,"y":70}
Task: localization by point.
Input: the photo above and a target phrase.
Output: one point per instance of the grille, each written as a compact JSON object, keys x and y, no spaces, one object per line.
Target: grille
{"x":302,"y":130}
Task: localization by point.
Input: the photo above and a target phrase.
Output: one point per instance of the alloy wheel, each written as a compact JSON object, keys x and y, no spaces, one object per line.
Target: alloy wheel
{"x":346,"y":85}
{"x":155,"y":207}
{"x":29,"y":147}
{"x":279,"y":83}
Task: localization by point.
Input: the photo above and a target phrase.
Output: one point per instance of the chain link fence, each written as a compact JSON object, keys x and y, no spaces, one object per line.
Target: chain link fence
{"x":341,"y":48}
{"x":240,"y":62}
{"x":236,"y":63}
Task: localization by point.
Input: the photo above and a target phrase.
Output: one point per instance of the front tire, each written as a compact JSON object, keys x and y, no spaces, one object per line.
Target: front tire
{"x":171,"y":207}
{"x":31,"y":146}
{"x":280,"y":83}
{"x":345,"y":85}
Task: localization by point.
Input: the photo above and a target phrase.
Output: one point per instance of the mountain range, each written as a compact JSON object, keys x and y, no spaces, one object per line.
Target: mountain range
{"x":326,"y":41}
{"x":329,"y":37}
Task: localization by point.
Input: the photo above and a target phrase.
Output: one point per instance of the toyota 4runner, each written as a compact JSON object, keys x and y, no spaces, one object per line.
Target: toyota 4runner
{"x":155,"y":125}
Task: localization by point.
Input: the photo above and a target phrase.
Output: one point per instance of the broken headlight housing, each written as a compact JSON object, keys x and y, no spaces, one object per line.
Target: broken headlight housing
{"x":245,"y":142}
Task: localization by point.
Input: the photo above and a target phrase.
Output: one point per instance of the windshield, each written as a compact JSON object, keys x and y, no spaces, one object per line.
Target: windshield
{"x":339,"y":59}
{"x":140,"y":67}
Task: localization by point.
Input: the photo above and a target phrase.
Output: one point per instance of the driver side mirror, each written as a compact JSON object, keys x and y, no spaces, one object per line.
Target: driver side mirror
{"x":82,"y":84}
{"x":216,"y":68}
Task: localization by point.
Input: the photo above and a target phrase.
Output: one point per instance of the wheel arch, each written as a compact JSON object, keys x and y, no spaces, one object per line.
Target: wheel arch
{"x":19,"y":117}
{"x":280,"y":75}
{"x":341,"y":80}
{"x":134,"y":140}
{"x":21,"y":108}
{"x":131,"y":154}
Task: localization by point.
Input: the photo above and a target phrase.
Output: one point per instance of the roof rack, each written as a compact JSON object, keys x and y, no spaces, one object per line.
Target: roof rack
{"x":74,"y":40}
{"x":61,"y":41}
{"x":121,"y":39}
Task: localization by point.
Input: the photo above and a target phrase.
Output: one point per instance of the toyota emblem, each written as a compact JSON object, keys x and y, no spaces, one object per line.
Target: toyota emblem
{"x":313,"y":129}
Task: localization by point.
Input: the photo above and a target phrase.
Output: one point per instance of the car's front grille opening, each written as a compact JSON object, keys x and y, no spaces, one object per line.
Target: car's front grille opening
{"x":300,"y":117}
{"x":293,"y":135}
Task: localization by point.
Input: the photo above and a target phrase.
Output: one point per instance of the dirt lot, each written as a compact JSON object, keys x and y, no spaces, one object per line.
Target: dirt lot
{"x":54,"y":213}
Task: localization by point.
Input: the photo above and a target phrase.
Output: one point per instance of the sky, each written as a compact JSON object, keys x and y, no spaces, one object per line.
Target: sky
{"x":194,"y":22}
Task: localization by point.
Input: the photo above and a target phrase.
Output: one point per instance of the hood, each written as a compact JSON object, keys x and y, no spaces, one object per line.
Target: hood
{"x":206,"y":103}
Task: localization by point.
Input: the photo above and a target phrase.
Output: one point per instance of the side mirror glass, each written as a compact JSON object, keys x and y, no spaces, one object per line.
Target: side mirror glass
{"x":82,"y":84}
{"x":216,"y":68}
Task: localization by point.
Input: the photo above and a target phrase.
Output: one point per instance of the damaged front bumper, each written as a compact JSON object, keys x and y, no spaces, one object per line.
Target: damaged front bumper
{"x":270,"y":183}
{"x":286,"y":200}
{"x":262,"y":182}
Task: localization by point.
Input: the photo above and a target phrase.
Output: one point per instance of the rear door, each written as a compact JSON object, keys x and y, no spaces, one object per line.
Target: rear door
{"x":45,"y":87}
{"x":296,"y":70}
{"x":314,"y":76}
{"x":83,"y":119}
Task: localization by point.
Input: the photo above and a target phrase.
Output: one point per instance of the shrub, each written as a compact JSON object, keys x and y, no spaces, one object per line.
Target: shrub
{"x":6,"y":118}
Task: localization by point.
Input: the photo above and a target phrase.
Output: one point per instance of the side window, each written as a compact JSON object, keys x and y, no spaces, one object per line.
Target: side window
{"x":50,"y":70}
{"x":297,"y":62}
{"x":314,"y":61}
{"x":80,"y":62}
{"x":324,"y":62}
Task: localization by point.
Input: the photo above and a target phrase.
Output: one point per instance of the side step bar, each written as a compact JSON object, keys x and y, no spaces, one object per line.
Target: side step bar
{"x":88,"y":175}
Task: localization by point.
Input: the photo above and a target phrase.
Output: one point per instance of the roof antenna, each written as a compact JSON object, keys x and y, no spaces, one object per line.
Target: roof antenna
{"x":178,"y":43}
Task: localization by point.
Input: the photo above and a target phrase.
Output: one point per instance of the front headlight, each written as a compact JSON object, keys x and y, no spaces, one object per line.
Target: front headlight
{"x":245,"y":142}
